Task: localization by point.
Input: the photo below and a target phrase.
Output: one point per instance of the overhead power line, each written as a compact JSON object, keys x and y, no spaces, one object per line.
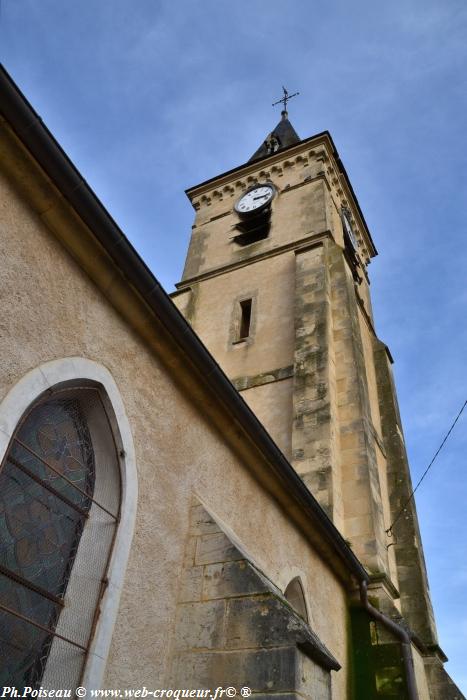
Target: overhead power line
{"x":389,"y":531}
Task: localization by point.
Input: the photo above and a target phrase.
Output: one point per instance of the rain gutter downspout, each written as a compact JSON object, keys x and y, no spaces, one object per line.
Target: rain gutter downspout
{"x":400,"y":633}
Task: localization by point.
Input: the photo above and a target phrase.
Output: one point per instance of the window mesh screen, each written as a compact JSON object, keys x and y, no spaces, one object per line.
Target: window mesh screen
{"x":59,"y":498}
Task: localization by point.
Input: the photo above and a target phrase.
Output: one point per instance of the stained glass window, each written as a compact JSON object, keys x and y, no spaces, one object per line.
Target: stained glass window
{"x":46,"y":489}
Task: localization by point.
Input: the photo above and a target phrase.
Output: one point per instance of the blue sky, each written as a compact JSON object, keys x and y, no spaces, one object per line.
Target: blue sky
{"x":150,"y":97}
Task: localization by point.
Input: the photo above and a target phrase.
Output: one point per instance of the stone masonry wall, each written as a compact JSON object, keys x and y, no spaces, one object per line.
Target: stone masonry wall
{"x":412,"y":577}
{"x":234,"y":627}
{"x":363,"y":509}
{"x":315,"y":432}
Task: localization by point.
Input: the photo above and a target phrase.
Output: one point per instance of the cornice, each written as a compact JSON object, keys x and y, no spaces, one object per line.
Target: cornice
{"x":242,"y":171}
{"x":320,"y":148}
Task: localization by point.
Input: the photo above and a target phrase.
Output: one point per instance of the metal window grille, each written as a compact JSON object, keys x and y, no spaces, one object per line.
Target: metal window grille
{"x":47,"y":493}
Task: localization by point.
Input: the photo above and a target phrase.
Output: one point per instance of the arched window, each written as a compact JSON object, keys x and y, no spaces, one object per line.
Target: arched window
{"x":59,"y":506}
{"x":295,"y":596}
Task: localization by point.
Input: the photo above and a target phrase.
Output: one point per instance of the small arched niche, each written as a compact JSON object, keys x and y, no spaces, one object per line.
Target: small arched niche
{"x":295,"y":596}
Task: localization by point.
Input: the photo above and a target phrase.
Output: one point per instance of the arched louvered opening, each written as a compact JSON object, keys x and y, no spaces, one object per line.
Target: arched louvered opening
{"x":59,"y":506}
{"x":295,"y":596}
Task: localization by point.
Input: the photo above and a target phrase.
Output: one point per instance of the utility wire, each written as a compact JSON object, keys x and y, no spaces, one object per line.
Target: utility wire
{"x":389,"y":531}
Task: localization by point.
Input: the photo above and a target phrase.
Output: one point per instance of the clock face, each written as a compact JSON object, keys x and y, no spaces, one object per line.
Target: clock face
{"x":349,"y":230}
{"x":255,"y":199}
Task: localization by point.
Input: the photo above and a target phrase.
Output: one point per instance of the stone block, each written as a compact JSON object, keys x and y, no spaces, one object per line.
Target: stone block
{"x":312,"y":680}
{"x":215,"y":548}
{"x":201,"y":523}
{"x":232,"y":579}
{"x":360,"y":525}
{"x":358,"y":507}
{"x":264,"y":671}
{"x":190,"y":552}
{"x":256,"y":622}
{"x":200,"y":625}
{"x":351,"y":441}
{"x":192,"y":584}
{"x":441,"y":685}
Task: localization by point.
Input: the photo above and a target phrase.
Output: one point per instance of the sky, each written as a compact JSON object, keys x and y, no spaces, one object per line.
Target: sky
{"x":150,"y":97}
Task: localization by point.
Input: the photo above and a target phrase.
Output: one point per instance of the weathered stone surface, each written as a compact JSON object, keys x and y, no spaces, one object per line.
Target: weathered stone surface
{"x":231,"y":579}
{"x":273,"y":375}
{"x":200,"y":625}
{"x":272,"y":670}
{"x":215,"y":548}
{"x":441,"y":685}
{"x":201,"y":523}
{"x":243,"y":631}
{"x":274,"y":673}
{"x":412,"y":577}
{"x":315,"y":451}
{"x":312,"y":681}
{"x":197,"y":252}
{"x":192,"y":584}
{"x":356,"y":408}
{"x":268,"y":621}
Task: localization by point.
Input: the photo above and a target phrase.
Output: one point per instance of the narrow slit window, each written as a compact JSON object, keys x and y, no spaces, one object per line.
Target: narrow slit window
{"x":245,"y":318}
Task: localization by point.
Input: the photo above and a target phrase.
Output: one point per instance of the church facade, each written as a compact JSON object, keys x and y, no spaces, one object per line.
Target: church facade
{"x":201,"y":498}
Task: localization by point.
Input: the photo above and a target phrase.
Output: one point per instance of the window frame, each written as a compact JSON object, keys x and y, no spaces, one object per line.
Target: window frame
{"x":49,"y":378}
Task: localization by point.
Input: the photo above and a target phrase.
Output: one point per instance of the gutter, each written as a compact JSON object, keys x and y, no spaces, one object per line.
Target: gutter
{"x":400,"y":633}
{"x":35,"y":136}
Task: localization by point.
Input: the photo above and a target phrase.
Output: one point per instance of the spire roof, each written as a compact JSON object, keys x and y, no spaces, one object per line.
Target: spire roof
{"x":281,"y":137}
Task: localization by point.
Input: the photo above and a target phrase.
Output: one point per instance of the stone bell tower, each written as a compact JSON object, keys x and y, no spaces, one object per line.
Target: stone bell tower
{"x":277,"y":287}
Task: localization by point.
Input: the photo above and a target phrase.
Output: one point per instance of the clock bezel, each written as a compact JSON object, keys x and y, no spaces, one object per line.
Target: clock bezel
{"x":263,"y":206}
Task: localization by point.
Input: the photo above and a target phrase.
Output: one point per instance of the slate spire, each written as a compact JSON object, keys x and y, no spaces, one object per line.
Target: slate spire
{"x":282,"y":136}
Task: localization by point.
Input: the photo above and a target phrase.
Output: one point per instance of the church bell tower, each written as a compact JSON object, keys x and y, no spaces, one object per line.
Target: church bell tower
{"x":276,"y":285}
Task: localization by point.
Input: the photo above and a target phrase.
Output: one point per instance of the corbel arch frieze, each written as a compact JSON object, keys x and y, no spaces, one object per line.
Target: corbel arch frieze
{"x":277,"y":170}
{"x":205,"y":200}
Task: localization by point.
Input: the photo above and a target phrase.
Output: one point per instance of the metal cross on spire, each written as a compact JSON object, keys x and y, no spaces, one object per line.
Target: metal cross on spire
{"x":285,"y":99}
